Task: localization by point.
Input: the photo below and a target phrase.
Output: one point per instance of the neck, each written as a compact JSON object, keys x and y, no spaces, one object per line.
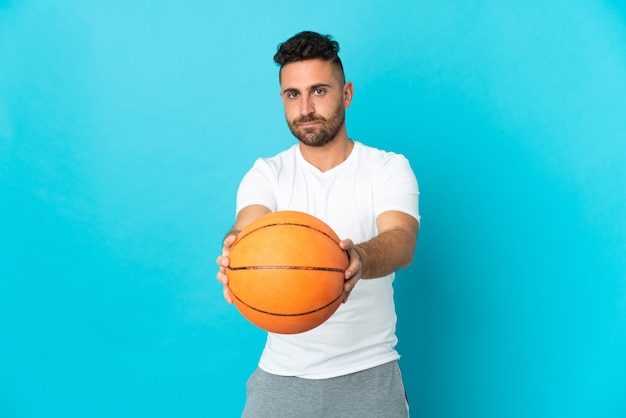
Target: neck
{"x":330,"y":155}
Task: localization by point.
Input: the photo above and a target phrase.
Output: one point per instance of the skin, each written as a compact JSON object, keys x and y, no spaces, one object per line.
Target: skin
{"x":315,"y":98}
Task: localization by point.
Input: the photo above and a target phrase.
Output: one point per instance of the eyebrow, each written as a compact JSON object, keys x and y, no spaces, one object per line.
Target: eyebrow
{"x":310,"y":88}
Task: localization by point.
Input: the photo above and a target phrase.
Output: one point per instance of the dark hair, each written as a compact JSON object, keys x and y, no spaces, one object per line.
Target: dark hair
{"x":308,"y":45}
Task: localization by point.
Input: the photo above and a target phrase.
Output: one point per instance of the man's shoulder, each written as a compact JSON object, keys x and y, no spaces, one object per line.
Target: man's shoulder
{"x":281,"y":157}
{"x":371,"y":153}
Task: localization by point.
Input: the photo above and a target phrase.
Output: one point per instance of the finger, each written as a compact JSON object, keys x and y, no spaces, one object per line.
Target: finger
{"x":227,"y":294}
{"x":346,"y":244}
{"x":230,"y":240}
{"x":223,"y":262}
{"x":348,"y":285}
{"x":228,"y":243}
{"x":222,"y":277}
{"x":352,"y":269}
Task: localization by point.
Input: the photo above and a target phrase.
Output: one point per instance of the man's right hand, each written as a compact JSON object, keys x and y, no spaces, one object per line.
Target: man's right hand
{"x":223,"y":261}
{"x":244,"y":217}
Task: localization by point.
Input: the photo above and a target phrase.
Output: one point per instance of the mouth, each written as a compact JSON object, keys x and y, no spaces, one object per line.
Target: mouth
{"x":309,"y":124}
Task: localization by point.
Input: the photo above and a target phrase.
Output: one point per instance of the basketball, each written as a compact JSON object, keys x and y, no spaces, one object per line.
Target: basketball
{"x":286,"y":272}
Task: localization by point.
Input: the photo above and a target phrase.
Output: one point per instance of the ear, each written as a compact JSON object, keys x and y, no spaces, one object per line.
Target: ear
{"x":348,"y":93}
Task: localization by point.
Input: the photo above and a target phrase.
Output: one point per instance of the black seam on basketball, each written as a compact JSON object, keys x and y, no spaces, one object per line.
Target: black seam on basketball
{"x":285,"y":314}
{"x":332,"y":269}
{"x":288,"y":224}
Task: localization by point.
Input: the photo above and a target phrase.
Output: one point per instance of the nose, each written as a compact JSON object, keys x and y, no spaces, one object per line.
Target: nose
{"x":306,"y":106}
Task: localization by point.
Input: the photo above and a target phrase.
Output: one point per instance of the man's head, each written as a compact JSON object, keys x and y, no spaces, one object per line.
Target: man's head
{"x":307,"y":46}
{"x":313,"y":88}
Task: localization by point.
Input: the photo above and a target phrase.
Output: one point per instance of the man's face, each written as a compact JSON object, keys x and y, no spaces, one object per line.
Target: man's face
{"x":315,"y":98}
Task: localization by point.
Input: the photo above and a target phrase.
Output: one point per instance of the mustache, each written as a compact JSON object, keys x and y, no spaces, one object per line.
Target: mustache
{"x":308,"y":118}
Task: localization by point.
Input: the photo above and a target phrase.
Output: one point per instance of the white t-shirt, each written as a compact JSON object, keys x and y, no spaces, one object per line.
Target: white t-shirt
{"x":349,"y":197}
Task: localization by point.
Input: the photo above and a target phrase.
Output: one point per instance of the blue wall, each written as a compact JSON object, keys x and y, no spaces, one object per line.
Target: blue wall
{"x":125,"y":129}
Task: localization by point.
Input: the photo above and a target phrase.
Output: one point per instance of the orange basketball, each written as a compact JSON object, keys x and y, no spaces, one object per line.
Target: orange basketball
{"x":286,"y":272}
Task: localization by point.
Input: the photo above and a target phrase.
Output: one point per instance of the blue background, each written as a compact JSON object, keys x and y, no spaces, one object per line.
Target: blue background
{"x":125,"y":128}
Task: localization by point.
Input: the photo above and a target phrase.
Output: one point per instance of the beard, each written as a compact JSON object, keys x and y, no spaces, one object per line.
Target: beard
{"x":323,"y":133}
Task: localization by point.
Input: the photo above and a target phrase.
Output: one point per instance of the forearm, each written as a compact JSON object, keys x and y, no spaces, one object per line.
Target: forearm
{"x":247,"y":215}
{"x":387,"y":252}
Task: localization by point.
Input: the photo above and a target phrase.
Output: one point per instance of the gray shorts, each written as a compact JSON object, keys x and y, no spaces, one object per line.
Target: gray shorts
{"x":373,"y":393}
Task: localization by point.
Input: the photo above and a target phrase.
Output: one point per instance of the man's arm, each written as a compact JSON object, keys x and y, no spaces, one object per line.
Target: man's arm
{"x":244,"y":218}
{"x":390,"y":250}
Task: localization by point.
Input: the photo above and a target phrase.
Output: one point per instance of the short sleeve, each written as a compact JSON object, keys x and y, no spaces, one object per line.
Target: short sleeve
{"x":397,"y":188}
{"x":257,"y":187}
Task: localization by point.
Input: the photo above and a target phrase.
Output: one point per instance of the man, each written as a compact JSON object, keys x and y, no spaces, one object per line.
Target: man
{"x":346,"y":367}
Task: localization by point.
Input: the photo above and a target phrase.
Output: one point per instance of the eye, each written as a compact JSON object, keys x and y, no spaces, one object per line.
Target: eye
{"x":319,"y":92}
{"x":291,"y":94}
